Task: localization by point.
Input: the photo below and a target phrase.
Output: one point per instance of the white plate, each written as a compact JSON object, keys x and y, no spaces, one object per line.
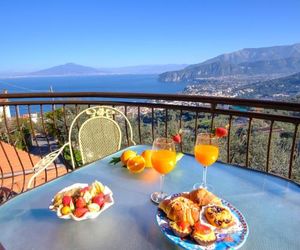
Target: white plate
{"x":109,"y":201}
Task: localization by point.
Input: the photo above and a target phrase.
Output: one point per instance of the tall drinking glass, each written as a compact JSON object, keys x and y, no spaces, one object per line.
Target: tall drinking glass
{"x":163,"y":160}
{"x":206,"y":153}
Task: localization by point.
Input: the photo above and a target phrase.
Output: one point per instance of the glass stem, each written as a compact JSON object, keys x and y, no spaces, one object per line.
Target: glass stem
{"x":162,"y":178}
{"x":204,"y":177}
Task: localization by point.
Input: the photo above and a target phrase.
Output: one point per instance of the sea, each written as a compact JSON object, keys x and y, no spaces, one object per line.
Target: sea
{"x":103,"y":83}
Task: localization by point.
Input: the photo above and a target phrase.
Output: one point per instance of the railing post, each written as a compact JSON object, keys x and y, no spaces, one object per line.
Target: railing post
{"x":166,"y":123}
{"x":180,"y":127}
{"x":212,"y":108}
{"x":152,"y":123}
{"x":139,"y":124}
{"x":228,"y":138}
{"x":269,"y":146}
{"x":126,"y":126}
{"x":248,"y":142}
{"x":292,"y":150}
{"x":196,"y":127}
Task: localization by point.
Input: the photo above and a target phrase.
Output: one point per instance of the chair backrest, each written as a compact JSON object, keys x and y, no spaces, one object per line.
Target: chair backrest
{"x":100,"y":134}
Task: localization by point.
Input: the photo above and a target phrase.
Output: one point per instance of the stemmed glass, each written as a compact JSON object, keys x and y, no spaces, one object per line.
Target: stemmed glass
{"x":163,"y":160}
{"x":206,"y":153}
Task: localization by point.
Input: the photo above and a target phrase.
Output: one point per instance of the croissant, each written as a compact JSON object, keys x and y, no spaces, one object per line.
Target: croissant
{"x":164,"y":205}
{"x":181,"y":209}
{"x":202,"y":197}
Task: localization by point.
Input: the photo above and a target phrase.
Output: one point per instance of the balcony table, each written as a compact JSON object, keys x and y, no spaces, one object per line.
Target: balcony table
{"x":270,"y":205}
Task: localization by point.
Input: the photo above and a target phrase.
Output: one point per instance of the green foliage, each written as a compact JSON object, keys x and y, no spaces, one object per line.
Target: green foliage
{"x":67,"y":157}
{"x":54,"y":122}
{"x":19,"y":133}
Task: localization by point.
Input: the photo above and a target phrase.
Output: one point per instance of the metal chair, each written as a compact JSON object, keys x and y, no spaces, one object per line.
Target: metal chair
{"x":98,"y":136}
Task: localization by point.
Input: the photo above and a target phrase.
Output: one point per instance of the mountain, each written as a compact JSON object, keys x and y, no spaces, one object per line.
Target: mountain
{"x":146,"y":69}
{"x":67,"y":69}
{"x":279,"y":88}
{"x":72,"y":69}
{"x":250,"y":61}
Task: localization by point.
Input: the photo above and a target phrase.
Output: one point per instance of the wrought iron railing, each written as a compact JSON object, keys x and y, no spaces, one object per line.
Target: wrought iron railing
{"x":254,"y":126}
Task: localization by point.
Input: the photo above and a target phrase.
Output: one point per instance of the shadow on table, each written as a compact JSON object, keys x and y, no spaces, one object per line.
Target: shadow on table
{"x":39,"y":214}
{"x":151,"y":230}
{"x":42,"y":214}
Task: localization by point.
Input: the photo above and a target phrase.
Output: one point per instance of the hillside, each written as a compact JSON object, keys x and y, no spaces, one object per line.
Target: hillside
{"x":245,"y":62}
{"x":272,"y":89}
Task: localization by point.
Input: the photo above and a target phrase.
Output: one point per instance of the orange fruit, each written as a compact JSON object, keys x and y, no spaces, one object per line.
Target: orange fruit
{"x":126,"y":155}
{"x":147,"y":156}
{"x":136,"y":164}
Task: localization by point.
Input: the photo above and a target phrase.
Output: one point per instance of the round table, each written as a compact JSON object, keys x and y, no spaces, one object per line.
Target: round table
{"x":270,"y":205}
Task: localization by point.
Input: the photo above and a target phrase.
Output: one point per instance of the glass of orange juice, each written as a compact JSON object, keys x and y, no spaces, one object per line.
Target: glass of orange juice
{"x":163,"y":159}
{"x":206,"y":153}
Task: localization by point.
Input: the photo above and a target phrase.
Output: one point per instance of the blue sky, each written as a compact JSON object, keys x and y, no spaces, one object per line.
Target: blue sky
{"x":101,"y":33}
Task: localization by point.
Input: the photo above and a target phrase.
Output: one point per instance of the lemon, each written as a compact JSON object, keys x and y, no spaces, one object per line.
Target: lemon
{"x":65,"y":210}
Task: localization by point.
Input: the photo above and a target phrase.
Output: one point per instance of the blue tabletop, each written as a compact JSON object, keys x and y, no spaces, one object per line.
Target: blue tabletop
{"x":270,"y":205}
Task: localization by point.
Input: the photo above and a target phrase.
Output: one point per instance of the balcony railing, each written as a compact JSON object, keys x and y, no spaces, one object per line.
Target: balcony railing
{"x":263,"y":135}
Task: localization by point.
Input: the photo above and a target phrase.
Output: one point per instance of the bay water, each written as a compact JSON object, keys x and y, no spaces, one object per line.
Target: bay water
{"x":103,"y":83}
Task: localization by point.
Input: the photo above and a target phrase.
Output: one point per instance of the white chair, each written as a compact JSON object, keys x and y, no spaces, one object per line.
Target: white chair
{"x":98,"y":136}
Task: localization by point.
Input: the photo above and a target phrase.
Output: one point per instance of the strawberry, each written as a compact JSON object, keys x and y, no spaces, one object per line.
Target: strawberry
{"x":221,"y":132}
{"x":84,"y":190}
{"x":66,"y":200}
{"x":202,"y":228}
{"x":99,"y":199}
{"x":80,"y":203}
{"x":79,"y":212}
{"x":100,"y":194}
{"x":177,"y":138}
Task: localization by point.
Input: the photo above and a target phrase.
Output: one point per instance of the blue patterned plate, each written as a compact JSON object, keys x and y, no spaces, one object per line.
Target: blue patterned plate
{"x":232,"y":238}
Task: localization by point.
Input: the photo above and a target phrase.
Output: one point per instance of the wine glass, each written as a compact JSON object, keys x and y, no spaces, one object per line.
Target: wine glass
{"x":163,"y":160}
{"x":206,"y":153}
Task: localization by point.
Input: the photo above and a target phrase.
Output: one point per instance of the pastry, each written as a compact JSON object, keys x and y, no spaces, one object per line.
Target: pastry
{"x":163,"y":205}
{"x":180,"y":228}
{"x":218,"y":216}
{"x":181,"y":209}
{"x":203,"y":234}
{"x":202,"y":197}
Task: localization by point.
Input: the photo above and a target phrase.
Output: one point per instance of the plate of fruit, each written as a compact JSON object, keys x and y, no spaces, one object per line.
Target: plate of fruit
{"x":200,"y":220}
{"x":81,"y":201}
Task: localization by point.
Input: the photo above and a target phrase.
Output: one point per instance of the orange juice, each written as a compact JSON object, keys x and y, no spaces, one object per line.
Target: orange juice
{"x":163,"y":161}
{"x":206,"y":154}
